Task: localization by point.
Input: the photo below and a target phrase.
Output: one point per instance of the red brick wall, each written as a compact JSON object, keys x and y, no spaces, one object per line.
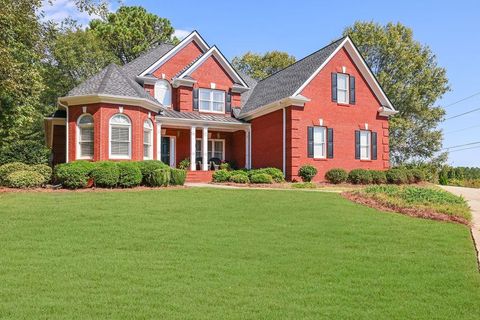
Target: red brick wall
{"x":176,"y":63}
{"x":102,"y":113}
{"x":267,"y":144}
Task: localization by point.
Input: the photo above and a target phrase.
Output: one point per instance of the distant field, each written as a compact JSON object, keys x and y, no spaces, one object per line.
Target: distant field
{"x":228,"y":254}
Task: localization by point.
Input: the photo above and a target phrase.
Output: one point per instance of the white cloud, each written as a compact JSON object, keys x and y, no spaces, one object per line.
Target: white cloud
{"x":180,"y":34}
{"x":58,"y":10}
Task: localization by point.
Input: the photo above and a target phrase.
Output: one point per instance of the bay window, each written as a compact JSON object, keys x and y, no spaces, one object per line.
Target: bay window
{"x":148,"y":140}
{"x":120,"y":145}
{"x":85,"y":137}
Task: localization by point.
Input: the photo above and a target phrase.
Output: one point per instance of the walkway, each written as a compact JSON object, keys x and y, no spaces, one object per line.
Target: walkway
{"x":473,"y":198}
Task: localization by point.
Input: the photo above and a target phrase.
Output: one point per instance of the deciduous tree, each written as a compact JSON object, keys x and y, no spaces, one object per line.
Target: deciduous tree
{"x":261,"y":66}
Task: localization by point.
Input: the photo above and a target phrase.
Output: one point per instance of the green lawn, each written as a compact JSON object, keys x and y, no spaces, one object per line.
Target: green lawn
{"x":236,"y":254}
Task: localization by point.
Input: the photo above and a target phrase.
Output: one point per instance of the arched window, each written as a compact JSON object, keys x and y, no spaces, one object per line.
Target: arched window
{"x":148,"y":140}
{"x":163,"y":92}
{"x":120,"y":137}
{"x":85,"y":137}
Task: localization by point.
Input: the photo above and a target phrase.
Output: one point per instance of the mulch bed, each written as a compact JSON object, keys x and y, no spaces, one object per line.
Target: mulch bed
{"x":412,"y":212}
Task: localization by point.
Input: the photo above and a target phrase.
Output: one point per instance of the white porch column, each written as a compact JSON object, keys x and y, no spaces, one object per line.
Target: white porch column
{"x":205,"y":149}
{"x":193,"y":165}
{"x":247,"y":148}
{"x":159,"y":141}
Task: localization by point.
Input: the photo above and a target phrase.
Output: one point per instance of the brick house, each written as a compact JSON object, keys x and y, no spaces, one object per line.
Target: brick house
{"x":187,"y":102}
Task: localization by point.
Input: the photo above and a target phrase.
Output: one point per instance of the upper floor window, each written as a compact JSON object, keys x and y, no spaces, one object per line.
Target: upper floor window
{"x":163,"y":92}
{"x":120,"y":137}
{"x":211,"y":100}
{"x":343,"y":88}
{"x":85,"y":137}
{"x":365,"y":145}
{"x":148,"y":140}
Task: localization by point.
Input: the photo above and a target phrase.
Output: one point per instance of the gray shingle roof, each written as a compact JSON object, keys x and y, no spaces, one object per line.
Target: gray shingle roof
{"x":251,"y":83}
{"x":197,"y":116}
{"x":140,"y":64}
{"x":285,"y":82}
{"x":113,"y":81}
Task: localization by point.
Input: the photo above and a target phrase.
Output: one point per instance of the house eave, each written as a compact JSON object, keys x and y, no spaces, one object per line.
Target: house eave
{"x":298,"y":101}
{"x":386,"y":112}
{"x":114,"y":99}
{"x":183,"y":82}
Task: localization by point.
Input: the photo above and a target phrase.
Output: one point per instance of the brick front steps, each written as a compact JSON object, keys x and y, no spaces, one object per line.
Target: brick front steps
{"x":199,"y":176}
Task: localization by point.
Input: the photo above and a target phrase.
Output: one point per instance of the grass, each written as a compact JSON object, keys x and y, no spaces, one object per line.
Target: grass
{"x":228,"y":254}
{"x":429,"y":198}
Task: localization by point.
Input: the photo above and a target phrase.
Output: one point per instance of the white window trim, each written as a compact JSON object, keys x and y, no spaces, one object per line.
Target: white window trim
{"x":369,"y":145}
{"x":150,"y":142}
{"x":110,"y":156}
{"x":173,"y":147}
{"x":324,"y":149}
{"x":169,"y":91}
{"x":213,"y":147}
{"x":347,"y":93}
{"x":211,"y":101}
{"x":79,"y":150}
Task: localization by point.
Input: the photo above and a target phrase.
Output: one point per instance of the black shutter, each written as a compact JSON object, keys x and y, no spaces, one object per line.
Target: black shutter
{"x":357,"y":144}
{"x":334,"y":87}
{"x":330,"y":143}
{"x":374,"y":146}
{"x":195,"y":98}
{"x":228,"y":102}
{"x":310,"y":142}
{"x":352,"y":90}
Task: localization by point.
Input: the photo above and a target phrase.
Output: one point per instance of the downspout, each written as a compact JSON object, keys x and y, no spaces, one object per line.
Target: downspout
{"x":66,"y":131}
{"x":284,"y":137}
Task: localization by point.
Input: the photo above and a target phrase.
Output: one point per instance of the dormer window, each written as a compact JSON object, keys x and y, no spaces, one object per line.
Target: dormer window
{"x":211,"y":100}
{"x":163,"y":93}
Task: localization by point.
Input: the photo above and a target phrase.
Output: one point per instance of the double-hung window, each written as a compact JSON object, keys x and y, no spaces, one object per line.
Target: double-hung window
{"x":120,"y":137}
{"x":148,"y":140}
{"x":319,"y":142}
{"x":342,"y":88}
{"x":216,"y":149}
{"x":365,"y":145}
{"x":211,"y":100}
{"x":85,"y":137}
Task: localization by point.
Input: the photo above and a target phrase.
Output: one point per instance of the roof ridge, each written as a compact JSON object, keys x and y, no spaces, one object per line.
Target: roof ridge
{"x":311,"y":54}
{"x":106,"y":77}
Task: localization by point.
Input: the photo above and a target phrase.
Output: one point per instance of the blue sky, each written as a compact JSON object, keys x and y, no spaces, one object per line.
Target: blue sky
{"x":301,"y":27}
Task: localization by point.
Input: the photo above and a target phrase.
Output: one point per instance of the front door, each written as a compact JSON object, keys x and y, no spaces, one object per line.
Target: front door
{"x":168,"y":151}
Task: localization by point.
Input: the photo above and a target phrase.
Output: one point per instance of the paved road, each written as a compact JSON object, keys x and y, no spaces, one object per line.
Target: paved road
{"x":473,"y":197}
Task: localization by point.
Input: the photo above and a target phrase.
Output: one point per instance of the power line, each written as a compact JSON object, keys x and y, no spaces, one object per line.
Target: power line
{"x":477,"y":147}
{"x":461,"y":100}
{"x":462,"y":114}
{"x":461,"y":145}
{"x":462,"y":129}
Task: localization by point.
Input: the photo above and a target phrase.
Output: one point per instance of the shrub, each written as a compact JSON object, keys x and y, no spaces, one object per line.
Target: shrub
{"x":378,"y":177}
{"x":8,"y":168}
{"x":105,"y":174}
{"x":26,"y":151}
{"x":178,"y":177}
{"x":44,"y":170}
{"x":221,"y":176}
{"x":418,"y":175}
{"x":307,"y":172}
{"x":25,"y":179}
{"x":336,"y":175}
{"x":160,"y":177}
{"x":129,"y":174}
{"x":261,"y":178}
{"x":184,"y":164}
{"x":225,"y":166}
{"x":242,"y":172}
{"x":73,"y":175}
{"x":239,"y":178}
{"x":408,"y":173}
{"x":275,"y":173}
{"x":396,"y":176}
{"x":148,"y":167}
{"x":360,"y":176}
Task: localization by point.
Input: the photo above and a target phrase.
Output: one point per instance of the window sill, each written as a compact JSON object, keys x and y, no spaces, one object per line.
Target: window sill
{"x":84,"y":158}
{"x":119,"y":158}
{"x":319,"y":159}
{"x":344,"y":104}
{"x":211,"y":112}
{"x":366,"y":160}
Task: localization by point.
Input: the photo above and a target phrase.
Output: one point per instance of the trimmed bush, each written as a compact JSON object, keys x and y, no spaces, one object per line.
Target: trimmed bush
{"x":105,"y":174}
{"x":275,"y":173}
{"x":378,"y":177}
{"x":261,"y":178}
{"x":242,"y":172}
{"x":221,"y":176}
{"x":160,"y":177}
{"x":225,"y":166}
{"x":239,"y":178}
{"x":396,"y":176}
{"x":73,"y":175}
{"x":307,"y":172}
{"x":44,"y":170}
{"x":24,"y":179}
{"x":418,"y":175}
{"x":336,"y":175}
{"x":184,"y":164}
{"x":148,"y":167}
{"x":360,"y":176}
{"x":8,"y":168}
{"x":178,"y":177}
{"x":408,"y":173}
{"x":129,"y":174}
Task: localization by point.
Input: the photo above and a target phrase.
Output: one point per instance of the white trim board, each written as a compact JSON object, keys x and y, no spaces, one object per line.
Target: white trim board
{"x":194,"y":36}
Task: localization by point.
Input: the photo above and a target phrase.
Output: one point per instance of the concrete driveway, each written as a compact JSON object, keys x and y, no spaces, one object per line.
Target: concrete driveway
{"x":473,"y":198}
